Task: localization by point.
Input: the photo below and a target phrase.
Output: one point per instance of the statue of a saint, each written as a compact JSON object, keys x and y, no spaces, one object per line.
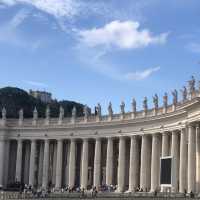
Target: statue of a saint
{"x":184,"y":93}
{"x":175,"y":97}
{"x":122,"y":107}
{"x":35,"y":114}
{"x":47,"y":112}
{"x":98,"y":109}
{"x":74,"y":112}
{"x":4,"y":113}
{"x":191,"y":85}
{"x":145,"y":106}
{"x":86,"y":111}
{"x":134,"y":105}
{"x":61,"y":113}
{"x":21,"y":114}
{"x":110,"y":111}
{"x":165,"y":100}
{"x":155,"y":101}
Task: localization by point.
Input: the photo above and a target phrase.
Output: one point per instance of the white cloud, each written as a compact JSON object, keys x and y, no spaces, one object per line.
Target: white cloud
{"x":140,"y":75}
{"x":57,"y":8}
{"x":194,"y":47}
{"x":124,"y":35}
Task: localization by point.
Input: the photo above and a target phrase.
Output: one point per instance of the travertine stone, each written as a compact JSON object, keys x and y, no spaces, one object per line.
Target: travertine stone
{"x":183,"y":161}
{"x":134,"y":164}
{"x":84,"y":164}
{"x":191,"y":159}
{"x":32,"y":163}
{"x":197,"y":158}
{"x":121,"y":165}
{"x":2,"y":151}
{"x":45,"y":164}
{"x":59,"y":163}
{"x":97,"y":163}
{"x":155,"y":163}
{"x":72,"y":162}
{"x":19,"y":161}
{"x":109,"y":162}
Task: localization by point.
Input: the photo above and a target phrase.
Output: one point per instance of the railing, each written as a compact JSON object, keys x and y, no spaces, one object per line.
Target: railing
{"x":54,"y":122}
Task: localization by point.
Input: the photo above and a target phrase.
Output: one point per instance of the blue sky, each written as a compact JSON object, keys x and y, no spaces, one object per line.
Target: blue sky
{"x":95,"y":51}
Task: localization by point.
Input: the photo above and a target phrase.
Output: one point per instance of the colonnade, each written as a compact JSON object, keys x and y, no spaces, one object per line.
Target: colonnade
{"x":143,"y":155}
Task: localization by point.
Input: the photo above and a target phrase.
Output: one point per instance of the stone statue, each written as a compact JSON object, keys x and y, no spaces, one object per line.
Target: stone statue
{"x":35,"y":114}
{"x":98,"y":109}
{"x":184,"y":93}
{"x":61,"y":113}
{"x":191,"y":85}
{"x":74,"y":112}
{"x":86,"y":111}
{"x":47,"y":114}
{"x":155,"y":101}
{"x":4,"y":113}
{"x":110,"y":111}
{"x":21,"y":114}
{"x":145,"y":106}
{"x":122,"y":107}
{"x":165,"y":100}
{"x":134,"y":105}
{"x":175,"y":97}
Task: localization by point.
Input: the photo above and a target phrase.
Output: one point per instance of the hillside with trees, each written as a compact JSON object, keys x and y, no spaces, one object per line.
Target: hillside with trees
{"x":14,"y":99}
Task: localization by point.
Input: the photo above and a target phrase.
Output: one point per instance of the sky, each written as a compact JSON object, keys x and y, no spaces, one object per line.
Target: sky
{"x":97,"y":51}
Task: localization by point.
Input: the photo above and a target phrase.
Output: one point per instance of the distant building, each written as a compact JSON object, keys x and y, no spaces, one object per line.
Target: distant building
{"x":45,"y":97}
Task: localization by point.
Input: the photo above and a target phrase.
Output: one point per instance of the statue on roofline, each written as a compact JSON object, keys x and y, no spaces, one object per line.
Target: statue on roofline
{"x":145,"y":106}
{"x":155,"y":101}
{"x":122,"y":107}
{"x":175,"y":97}
{"x":110,"y":111}
{"x":134,"y":105}
{"x":191,"y":85}
{"x":165,"y":100}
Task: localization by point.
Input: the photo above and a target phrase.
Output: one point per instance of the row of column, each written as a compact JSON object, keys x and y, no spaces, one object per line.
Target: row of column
{"x":144,"y":164}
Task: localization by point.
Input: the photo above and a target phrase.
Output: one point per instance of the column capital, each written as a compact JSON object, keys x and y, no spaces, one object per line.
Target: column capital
{"x":85,"y":139}
{"x":59,"y":140}
{"x":135,"y":137}
{"x":110,"y":138}
{"x":197,"y":125}
{"x":98,"y":139}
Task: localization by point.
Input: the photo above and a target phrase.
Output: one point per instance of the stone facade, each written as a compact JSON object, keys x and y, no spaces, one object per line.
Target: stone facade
{"x":119,"y":149}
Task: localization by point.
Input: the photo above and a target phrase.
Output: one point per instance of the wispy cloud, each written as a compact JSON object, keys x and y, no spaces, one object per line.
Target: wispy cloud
{"x":140,"y":75}
{"x":36,"y":84}
{"x":124,"y":35}
{"x":61,"y":8}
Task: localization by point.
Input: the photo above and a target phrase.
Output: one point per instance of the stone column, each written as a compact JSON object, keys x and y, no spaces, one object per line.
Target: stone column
{"x":191,"y":159}
{"x":197,"y":159}
{"x":6,"y":171}
{"x":121,"y":165}
{"x":2,"y":159}
{"x":19,"y":161}
{"x":183,"y":161}
{"x":109,"y":162}
{"x":145,"y":169}
{"x":97,"y":163}
{"x":40,"y":164}
{"x":84,"y":164}
{"x":72,"y":163}
{"x":134,"y":164}
{"x":165,"y":144}
{"x":45,"y":164}
{"x":174,"y":154}
{"x":59,"y":159}
{"x":32,"y":163}
{"x":155,"y":163}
